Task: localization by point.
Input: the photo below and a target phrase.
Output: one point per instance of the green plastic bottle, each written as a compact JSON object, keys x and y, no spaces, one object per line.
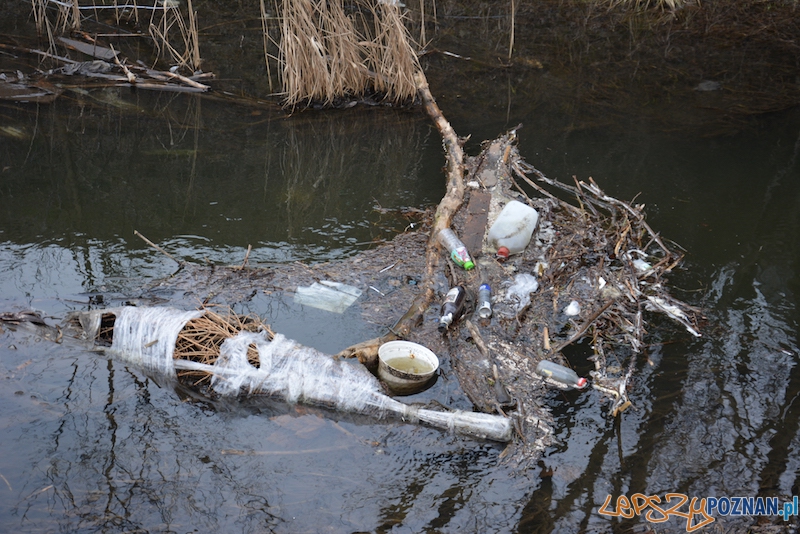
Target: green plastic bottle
{"x":458,"y":251}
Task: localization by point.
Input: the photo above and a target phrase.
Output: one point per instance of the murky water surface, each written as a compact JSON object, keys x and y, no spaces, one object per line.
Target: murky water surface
{"x":92,"y":445}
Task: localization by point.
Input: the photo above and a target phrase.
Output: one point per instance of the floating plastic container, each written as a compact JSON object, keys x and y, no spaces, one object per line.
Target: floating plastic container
{"x":513,"y":228}
{"x":406,"y":367}
{"x":458,"y":251}
{"x":561,"y":374}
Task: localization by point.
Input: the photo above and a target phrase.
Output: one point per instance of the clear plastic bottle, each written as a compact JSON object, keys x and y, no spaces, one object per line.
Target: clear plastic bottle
{"x":561,"y":374}
{"x":458,"y":251}
{"x":485,"y":301}
{"x":513,"y":228}
{"x":452,"y":307}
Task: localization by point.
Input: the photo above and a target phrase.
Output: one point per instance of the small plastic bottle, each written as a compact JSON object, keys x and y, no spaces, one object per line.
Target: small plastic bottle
{"x":561,"y":374}
{"x":452,"y":307}
{"x":485,"y":301}
{"x":458,"y":251}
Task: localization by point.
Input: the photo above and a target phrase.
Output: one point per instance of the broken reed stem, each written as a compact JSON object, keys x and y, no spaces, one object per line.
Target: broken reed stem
{"x":422,"y":38}
{"x":513,"y":24}
{"x":128,"y":73}
{"x":265,"y":40}
{"x":247,"y":255}
{"x":193,"y":38}
{"x":161,"y":250}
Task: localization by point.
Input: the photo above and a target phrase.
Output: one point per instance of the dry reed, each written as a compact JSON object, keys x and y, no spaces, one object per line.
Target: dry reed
{"x":326,"y":54}
{"x":642,"y":5}
{"x":391,"y":55}
{"x":168,"y":20}
{"x":200,"y":339}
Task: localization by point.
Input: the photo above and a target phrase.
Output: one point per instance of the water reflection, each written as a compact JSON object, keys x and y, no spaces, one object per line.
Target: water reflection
{"x":92,"y":445}
{"x":203,"y":180}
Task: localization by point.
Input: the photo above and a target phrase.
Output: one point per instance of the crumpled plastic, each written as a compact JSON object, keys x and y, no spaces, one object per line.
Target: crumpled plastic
{"x":519,"y":293}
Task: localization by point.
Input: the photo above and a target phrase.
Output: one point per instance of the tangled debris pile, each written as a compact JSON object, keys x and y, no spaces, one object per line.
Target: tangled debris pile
{"x":592,"y":271}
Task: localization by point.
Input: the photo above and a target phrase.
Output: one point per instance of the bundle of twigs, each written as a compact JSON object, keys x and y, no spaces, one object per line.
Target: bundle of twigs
{"x":200,"y":340}
{"x":607,"y":258}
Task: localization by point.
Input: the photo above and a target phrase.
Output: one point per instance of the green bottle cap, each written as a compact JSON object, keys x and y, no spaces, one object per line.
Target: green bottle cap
{"x":468,"y":265}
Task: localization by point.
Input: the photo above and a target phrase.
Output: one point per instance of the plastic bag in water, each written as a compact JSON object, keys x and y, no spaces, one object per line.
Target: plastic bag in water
{"x":329,"y":296}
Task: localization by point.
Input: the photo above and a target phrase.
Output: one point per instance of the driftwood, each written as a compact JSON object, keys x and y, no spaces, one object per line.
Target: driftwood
{"x":367,"y":351}
{"x":107,"y":67}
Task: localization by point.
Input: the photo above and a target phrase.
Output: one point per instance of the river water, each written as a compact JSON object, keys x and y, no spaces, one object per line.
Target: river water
{"x":93,"y":445}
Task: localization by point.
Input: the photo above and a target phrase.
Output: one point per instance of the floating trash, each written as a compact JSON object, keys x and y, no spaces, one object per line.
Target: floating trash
{"x":326,"y":295}
{"x":406,"y":367}
{"x":573,"y":309}
{"x":519,"y":293}
{"x":233,"y":355}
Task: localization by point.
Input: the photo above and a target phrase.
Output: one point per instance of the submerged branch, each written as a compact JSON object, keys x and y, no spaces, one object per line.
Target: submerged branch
{"x":367,"y":351}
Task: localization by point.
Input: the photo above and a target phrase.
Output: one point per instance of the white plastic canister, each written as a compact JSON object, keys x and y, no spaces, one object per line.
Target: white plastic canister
{"x":514,"y":227}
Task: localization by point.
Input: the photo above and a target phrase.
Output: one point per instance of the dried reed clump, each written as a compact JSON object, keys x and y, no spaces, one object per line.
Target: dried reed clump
{"x":642,"y":5}
{"x":200,"y":339}
{"x":67,"y":19}
{"x":174,"y":35}
{"x":390,"y":54}
{"x":165,"y":22}
{"x":327,"y":54}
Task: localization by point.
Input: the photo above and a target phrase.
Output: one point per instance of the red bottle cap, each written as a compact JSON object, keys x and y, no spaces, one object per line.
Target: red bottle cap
{"x":502,"y":253}
{"x":581,"y":383}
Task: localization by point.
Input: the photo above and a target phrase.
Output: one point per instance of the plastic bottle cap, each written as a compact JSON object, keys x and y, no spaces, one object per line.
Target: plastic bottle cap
{"x":502,"y":252}
{"x":468,"y":265}
{"x":581,"y":383}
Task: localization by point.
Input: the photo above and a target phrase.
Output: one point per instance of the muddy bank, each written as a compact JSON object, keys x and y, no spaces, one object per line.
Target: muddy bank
{"x":713,"y":66}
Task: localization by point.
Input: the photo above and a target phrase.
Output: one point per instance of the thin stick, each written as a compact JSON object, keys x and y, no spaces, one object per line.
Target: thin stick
{"x":167,"y":254}
{"x":583,"y":328}
{"x":39,"y":52}
{"x":187,"y":81}
{"x":128,"y":74}
{"x":249,"y":248}
{"x":238,"y":452}
{"x":513,"y":23}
